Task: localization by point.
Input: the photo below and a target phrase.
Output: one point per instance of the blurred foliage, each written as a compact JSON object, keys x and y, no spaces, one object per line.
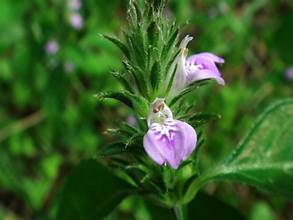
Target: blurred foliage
{"x":49,"y":119}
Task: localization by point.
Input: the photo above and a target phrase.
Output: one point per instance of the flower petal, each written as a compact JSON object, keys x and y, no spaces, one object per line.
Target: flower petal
{"x":170,"y":143}
{"x":181,"y":74}
{"x":157,"y":144}
{"x":151,"y":148}
{"x":185,"y":41}
{"x":180,"y":80}
{"x":189,"y":137}
{"x":205,"y":74}
{"x":206,"y":68}
{"x":207,"y":61}
{"x":197,"y":58}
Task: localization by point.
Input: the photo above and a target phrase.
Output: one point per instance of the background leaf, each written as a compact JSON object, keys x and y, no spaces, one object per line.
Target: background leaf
{"x":206,"y":207}
{"x":91,"y":192}
{"x":264,"y":158}
{"x":199,"y":208}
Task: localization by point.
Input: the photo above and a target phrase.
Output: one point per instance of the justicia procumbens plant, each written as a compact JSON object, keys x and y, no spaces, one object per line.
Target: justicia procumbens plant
{"x":158,"y":157}
{"x":157,"y":76}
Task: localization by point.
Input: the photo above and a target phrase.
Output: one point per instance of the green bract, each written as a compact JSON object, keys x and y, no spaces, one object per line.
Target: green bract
{"x":149,"y":48}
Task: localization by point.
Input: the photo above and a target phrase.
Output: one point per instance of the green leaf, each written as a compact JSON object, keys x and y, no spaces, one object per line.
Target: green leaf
{"x":172,"y":41}
{"x":123,"y":80}
{"x":138,"y":76}
{"x":137,"y":103}
{"x":192,"y":87}
{"x":119,"y":96}
{"x":153,"y":33}
{"x":156,"y":76}
{"x":112,"y":149}
{"x":158,"y":4}
{"x":91,"y":191}
{"x":199,"y":119}
{"x":264,"y":158}
{"x":119,"y":44}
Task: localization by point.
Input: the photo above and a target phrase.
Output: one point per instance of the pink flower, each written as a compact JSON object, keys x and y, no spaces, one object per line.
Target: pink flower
{"x":69,"y":67}
{"x":288,"y":74}
{"x":76,"y":21}
{"x":168,"y":141}
{"x":52,"y":47}
{"x":196,"y":67}
{"x":131,"y":120}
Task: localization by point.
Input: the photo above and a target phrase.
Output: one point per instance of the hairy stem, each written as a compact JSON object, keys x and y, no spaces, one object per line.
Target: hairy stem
{"x":180,"y":212}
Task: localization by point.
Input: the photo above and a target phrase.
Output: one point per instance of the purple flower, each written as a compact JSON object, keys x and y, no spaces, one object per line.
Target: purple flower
{"x":74,"y":5}
{"x":168,"y":141}
{"x":131,"y":120}
{"x":196,"y":67}
{"x":76,"y":21}
{"x":52,"y":47}
{"x":203,"y":66}
{"x":288,"y":73}
{"x":69,"y":67}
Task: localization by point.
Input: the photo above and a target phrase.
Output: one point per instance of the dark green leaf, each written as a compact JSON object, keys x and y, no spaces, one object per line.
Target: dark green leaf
{"x":171,"y":43}
{"x":120,"y":96}
{"x":139,"y":78}
{"x":156,"y":76}
{"x":206,"y":207}
{"x":153,"y":33}
{"x":203,"y":207}
{"x":124,"y":81}
{"x":91,"y":191}
{"x":200,"y":119}
{"x":137,"y":103}
{"x":138,"y":11}
{"x":112,"y":149}
{"x":193,"y":86}
{"x":265,"y":156}
{"x":158,"y":4}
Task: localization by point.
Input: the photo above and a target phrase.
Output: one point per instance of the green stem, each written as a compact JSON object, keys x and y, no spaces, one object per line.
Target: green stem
{"x":199,"y":183}
{"x":180,"y":212}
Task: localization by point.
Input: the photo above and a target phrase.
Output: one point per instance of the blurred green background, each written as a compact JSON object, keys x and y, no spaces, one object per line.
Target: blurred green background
{"x":52,"y":61}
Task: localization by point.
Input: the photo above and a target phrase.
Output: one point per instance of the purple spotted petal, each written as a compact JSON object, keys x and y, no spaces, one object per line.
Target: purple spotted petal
{"x":206,"y":67}
{"x":170,"y":143}
{"x":205,"y":74}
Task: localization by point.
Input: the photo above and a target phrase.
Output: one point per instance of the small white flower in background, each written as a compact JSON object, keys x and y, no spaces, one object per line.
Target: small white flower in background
{"x":76,"y":21}
{"x":69,"y":67}
{"x":52,"y":47}
{"x":131,"y":120}
{"x":74,"y":5}
{"x":75,"y":18}
{"x":288,"y":73}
